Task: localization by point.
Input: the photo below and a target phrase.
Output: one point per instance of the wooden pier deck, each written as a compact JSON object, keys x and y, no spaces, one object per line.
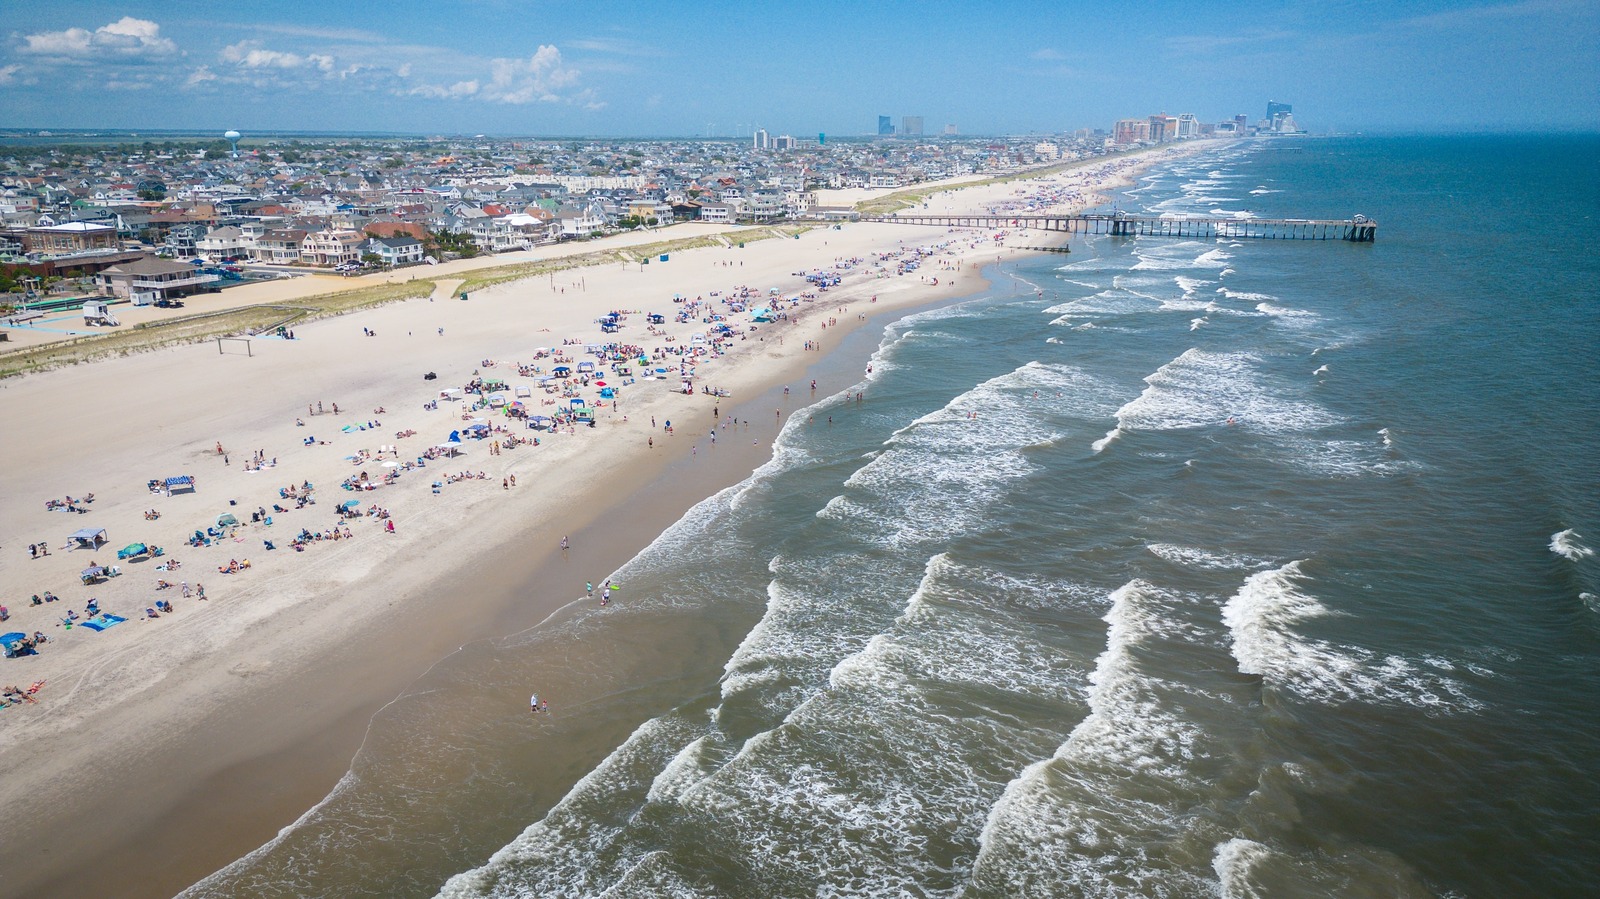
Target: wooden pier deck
{"x":1359,"y":229}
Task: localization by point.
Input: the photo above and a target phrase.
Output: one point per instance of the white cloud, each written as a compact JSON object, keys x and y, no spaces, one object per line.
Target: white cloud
{"x":251,"y":55}
{"x":540,"y":78}
{"x":8,"y":74}
{"x":200,"y":76}
{"x":126,"y":37}
{"x":537,"y":78}
{"x":1046,"y":53}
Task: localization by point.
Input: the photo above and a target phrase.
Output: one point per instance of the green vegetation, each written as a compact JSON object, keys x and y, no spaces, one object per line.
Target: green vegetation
{"x":204,"y":326}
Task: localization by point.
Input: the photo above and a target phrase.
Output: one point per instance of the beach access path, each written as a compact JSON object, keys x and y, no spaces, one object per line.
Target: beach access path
{"x":291,"y":656}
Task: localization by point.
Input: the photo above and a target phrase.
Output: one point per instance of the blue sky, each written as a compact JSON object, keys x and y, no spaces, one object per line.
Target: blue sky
{"x":553,"y":67}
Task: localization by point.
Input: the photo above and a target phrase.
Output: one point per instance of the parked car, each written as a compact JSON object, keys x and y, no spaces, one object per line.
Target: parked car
{"x":165,"y":303}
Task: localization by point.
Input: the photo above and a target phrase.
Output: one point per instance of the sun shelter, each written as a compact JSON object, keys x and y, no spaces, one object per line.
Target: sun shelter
{"x":133,"y":551}
{"x":496,"y":400}
{"x":13,"y":644}
{"x":94,"y":573}
{"x":87,"y":538}
{"x":449,"y":449}
{"x":538,"y":421}
{"x":479,"y":431}
{"x":451,"y":393}
{"x":561,"y":371}
{"x":524,"y":390}
{"x":585,"y":368}
{"x":226,"y":520}
{"x":181,"y":482}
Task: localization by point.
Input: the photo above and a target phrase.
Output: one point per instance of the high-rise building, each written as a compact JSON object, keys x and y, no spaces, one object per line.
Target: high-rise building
{"x":1241,"y":124}
{"x":783,"y":142}
{"x":951,"y":130}
{"x":1188,"y":125}
{"x":1131,"y":131}
{"x":1276,"y":113}
{"x":761,"y":141}
{"x":885,"y":125}
{"x":1163,"y":127}
{"x":911,"y":124}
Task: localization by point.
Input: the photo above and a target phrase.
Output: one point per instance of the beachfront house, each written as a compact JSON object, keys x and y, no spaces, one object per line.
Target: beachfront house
{"x":149,"y":279}
{"x":399,"y":250}
{"x":330,"y":247}
{"x":280,"y":246}
{"x":225,"y":242}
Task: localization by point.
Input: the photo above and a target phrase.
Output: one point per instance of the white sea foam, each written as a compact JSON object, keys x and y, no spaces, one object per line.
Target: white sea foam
{"x":1201,"y":388}
{"x":1265,"y":617}
{"x":1086,"y":821}
{"x":1321,"y":370}
{"x":1196,"y":324}
{"x":1204,"y":559}
{"x":1569,"y":545}
{"x":1111,"y":437}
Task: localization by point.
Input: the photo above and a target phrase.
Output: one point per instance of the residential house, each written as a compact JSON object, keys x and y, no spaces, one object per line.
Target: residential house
{"x":400,"y":250}
{"x":225,"y":242}
{"x":280,"y":246}
{"x":331,"y":246}
{"x":151,"y":278}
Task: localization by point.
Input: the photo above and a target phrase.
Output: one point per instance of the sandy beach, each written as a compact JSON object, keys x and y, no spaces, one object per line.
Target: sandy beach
{"x":162,"y":748}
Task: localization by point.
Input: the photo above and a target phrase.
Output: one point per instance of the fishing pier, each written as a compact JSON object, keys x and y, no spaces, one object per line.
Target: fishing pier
{"x":1359,"y":229}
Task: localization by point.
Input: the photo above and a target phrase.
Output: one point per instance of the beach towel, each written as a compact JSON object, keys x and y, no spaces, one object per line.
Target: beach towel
{"x":102,"y":621}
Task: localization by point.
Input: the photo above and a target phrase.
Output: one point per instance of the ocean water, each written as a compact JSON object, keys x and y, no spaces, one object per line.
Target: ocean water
{"x":1167,"y":568}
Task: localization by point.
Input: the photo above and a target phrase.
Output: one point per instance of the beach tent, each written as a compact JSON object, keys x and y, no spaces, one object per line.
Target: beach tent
{"x":480,"y":430}
{"x":561,"y":371}
{"x":13,"y":644}
{"x":451,"y":393}
{"x":181,"y":482}
{"x":87,"y":538}
{"x":538,"y":421}
{"x":93,"y":573}
{"x":133,"y":550}
{"x":585,"y":367}
{"x":496,"y":399}
{"x":607,"y":393}
{"x":226,"y":520}
{"x":450,"y":449}
{"x":524,"y":390}
{"x":455,"y":437}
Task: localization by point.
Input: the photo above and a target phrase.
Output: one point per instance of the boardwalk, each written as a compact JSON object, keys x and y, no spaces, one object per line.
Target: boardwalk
{"x":1359,"y":229}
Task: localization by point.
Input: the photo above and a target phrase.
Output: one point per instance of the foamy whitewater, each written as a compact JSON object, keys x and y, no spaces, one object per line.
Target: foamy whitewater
{"x":1218,"y":569}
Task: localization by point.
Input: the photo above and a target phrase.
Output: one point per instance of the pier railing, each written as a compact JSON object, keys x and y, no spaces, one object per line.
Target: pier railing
{"x":1359,"y":229}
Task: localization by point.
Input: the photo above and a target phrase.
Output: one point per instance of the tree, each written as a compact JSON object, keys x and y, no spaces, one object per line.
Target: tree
{"x":371,"y":260}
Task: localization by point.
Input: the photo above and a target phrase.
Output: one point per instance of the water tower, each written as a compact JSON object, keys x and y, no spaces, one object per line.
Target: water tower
{"x":233,"y":141}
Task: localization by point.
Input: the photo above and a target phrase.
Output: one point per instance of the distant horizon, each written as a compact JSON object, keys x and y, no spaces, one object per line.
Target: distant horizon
{"x":17,"y":136}
{"x":636,"y":68}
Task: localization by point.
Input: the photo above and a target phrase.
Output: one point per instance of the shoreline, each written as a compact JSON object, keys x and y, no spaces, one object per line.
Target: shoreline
{"x":260,"y":715}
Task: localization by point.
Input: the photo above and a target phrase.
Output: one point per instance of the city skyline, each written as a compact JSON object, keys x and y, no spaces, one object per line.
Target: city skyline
{"x":634,"y":69}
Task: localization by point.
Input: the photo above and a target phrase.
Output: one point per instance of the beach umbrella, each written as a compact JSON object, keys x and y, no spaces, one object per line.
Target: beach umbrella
{"x":350,"y":504}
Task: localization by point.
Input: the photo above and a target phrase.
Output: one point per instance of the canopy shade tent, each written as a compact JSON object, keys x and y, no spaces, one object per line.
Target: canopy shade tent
{"x":88,"y":537}
{"x":181,"y":482}
{"x":226,"y":519}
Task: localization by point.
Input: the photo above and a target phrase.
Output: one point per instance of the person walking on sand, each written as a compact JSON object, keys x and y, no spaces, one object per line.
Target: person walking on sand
{"x":589,"y":586}
{"x":533,"y":704}
{"x":564,"y":544}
